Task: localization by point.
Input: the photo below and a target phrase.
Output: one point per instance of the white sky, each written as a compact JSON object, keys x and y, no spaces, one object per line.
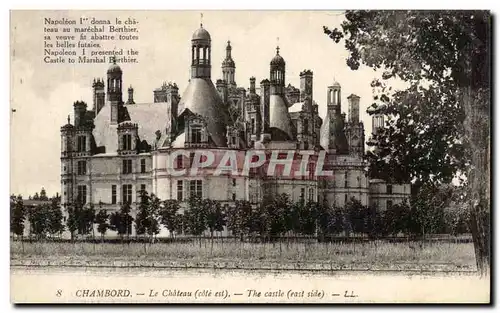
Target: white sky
{"x":43,"y":94}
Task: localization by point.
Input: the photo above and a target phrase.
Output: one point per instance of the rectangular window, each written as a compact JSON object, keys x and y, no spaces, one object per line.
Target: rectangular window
{"x":127,"y":166}
{"x":306,"y":126}
{"x":81,"y":143}
{"x":345,"y":199}
{"x":311,"y":170}
{"x":196,"y":135}
{"x":345,"y":180}
{"x":127,"y":142}
{"x":143,"y":165}
{"x":82,"y":194}
{"x":389,"y":204}
{"x":127,"y":194}
{"x":234,"y":182}
{"x":179,"y":190}
{"x":191,"y":158}
{"x":195,"y":188}
{"x":234,"y":196}
{"x":178,"y":161}
{"x":253,"y":125}
{"x":389,"y":189}
{"x":143,"y":187}
{"x":311,"y":194}
{"x":302,"y":194}
{"x":82,"y":167}
{"x":113,"y":194}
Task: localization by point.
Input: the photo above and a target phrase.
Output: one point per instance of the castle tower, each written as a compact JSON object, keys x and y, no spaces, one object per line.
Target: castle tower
{"x":254,"y":119}
{"x":306,"y":123}
{"x":130,"y":95}
{"x":80,"y":110}
{"x":306,"y":87}
{"x":67,"y":138}
{"x":201,"y":96}
{"x":221,"y":86}
{"x":280,"y":123}
{"x":332,"y":136}
{"x":98,"y":95}
{"x":355,"y":129}
{"x":264,"y":106}
{"x":114,"y":92}
{"x":83,"y":129}
{"x":228,"y":67}
{"x":173,"y":99}
{"x":277,"y":74}
{"x":201,"y":54}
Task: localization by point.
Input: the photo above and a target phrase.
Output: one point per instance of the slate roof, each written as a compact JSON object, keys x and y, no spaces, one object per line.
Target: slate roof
{"x":279,"y":117}
{"x":201,"y":97}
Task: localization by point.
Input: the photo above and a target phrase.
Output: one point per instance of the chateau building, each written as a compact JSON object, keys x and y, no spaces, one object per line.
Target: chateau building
{"x":116,"y":148}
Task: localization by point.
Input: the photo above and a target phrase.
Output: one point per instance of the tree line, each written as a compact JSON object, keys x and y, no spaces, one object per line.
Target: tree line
{"x":273,"y":219}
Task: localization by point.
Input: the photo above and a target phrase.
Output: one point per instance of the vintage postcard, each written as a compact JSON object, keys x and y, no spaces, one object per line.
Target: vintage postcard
{"x":250,"y":156}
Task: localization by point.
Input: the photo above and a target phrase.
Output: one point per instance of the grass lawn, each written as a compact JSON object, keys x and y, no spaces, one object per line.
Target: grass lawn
{"x":379,"y":255}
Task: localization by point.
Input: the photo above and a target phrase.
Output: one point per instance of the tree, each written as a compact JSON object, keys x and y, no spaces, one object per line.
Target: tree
{"x":215,"y":218}
{"x":39,"y":220}
{"x":456,"y":217}
{"x":101,"y":219}
{"x":43,"y":195}
{"x":427,"y":209}
{"x":169,"y":215}
{"x":17,"y":216}
{"x":72,"y":220}
{"x":239,"y":218}
{"x":55,"y":218}
{"x":195,"y":217}
{"x":85,"y":219}
{"x":444,"y":58}
{"x":356,"y":215}
{"x":305,"y":215}
{"x":277,"y":212}
{"x":397,"y":219}
{"x":121,"y":221}
{"x":374,"y":223}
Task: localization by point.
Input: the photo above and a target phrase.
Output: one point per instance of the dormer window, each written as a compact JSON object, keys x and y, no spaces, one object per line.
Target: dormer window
{"x":196,"y":134}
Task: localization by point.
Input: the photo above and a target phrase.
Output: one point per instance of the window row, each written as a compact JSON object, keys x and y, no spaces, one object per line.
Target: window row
{"x":126,"y":193}
{"x":126,"y":167}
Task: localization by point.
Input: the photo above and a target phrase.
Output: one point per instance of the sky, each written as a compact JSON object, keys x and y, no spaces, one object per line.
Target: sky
{"x":43,"y":94}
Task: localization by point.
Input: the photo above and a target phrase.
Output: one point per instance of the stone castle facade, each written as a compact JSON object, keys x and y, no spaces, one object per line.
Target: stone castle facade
{"x":118,"y":148}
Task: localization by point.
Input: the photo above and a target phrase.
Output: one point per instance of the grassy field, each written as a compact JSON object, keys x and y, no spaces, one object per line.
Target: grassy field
{"x":379,"y":254}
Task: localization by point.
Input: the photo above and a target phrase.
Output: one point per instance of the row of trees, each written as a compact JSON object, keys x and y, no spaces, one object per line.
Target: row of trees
{"x":274,"y":218}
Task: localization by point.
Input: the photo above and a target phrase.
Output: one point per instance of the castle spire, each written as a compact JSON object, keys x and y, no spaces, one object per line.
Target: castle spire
{"x":229,"y":67}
